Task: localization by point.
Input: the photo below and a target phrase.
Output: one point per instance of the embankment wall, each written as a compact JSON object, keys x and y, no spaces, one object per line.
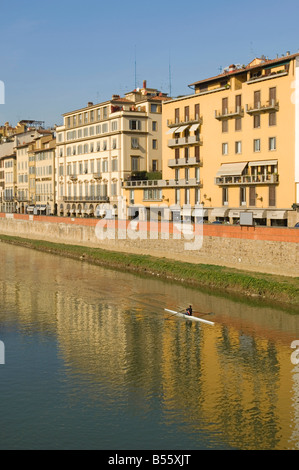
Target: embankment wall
{"x":265,"y":249}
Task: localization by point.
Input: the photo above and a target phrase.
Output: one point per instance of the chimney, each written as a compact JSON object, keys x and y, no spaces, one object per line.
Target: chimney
{"x":89,"y":104}
{"x":288,"y":53}
{"x":144,"y":83}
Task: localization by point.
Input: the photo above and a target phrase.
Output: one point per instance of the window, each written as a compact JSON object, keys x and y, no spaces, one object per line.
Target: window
{"x":113,"y":189}
{"x":135,"y":125}
{"x":257,"y":99}
{"x":154,"y":126}
{"x":272,"y":143}
{"x":114,"y":126}
{"x":238,"y":124}
{"x":272,"y":119}
{"x":242,"y":196}
{"x":134,"y":163}
{"x":238,"y":103}
{"x":114,"y":144}
{"x":257,"y":145}
{"x":177,"y":195}
{"x":105,"y":166}
{"x":187,"y":174}
{"x":256,"y":121}
{"x":177,"y":115}
{"x":155,"y":144}
{"x":196,"y":111}
{"x":238,"y":147}
{"x":134,"y":143}
{"x":155,"y":165}
{"x":154,"y":108}
{"x":186,"y":113}
{"x":224,"y":196}
{"x":225,"y":148}
{"x":272,"y":96}
{"x":252,"y":195}
{"x":114,"y":164}
{"x":224,"y":106}
{"x":187,"y":196}
{"x":132,"y":196}
{"x":272,"y":196}
{"x":225,"y":125}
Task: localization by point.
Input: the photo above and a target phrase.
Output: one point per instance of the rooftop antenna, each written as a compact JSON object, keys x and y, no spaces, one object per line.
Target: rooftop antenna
{"x":170,"y":91}
{"x":135,"y":70}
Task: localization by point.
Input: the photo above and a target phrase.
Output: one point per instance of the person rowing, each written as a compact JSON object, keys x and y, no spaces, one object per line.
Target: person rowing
{"x":189,"y":310}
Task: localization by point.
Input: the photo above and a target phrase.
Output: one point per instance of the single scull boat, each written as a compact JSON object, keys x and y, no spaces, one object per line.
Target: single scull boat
{"x":189,"y":317}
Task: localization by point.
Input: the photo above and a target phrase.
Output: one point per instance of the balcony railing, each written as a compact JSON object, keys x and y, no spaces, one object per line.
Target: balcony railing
{"x":162,"y":183}
{"x":86,"y":198}
{"x":186,"y":121}
{"x":247,"y":179}
{"x":262,"y":107}
{"x":191,"y":139}
{"x":226,"y":113}
{"x":181,"y":162}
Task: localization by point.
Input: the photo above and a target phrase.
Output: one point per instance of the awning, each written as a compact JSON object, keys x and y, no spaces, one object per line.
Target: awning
{"x":232,"y":169}
{"x":220,"y":212}
{"x":259,"y":214}
{"x":263,"y":163}
{"x":194,"y":127}
{"x":277,"y":215}
{"x":181,"y":129}
{"x":171,"y":131}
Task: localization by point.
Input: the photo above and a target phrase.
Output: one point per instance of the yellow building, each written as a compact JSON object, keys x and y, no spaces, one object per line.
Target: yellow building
{"x":233,"y":146}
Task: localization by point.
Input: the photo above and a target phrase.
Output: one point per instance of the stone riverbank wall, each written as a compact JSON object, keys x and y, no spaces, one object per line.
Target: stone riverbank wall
{"x":265,"y":249}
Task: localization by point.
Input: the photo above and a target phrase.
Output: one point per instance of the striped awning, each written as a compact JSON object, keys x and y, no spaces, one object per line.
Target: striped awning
{"x":232,"y":169}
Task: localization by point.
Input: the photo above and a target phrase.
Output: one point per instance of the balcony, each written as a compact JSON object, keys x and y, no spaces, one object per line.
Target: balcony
{"x":182,"y":162}
{"x":247,"y":179}
{"x":262,"y":107}
{"x":194,"y":182}
{"x":191,"y":139}
{"x":226,"y":114}
{"x":186,"y":121}
{"x":184,"y":183}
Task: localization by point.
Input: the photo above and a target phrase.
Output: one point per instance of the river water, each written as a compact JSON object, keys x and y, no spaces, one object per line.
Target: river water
{"x":92,"y":361}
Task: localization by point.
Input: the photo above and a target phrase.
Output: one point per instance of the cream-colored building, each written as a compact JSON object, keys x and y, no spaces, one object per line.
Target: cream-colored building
{"x":42,"y":157}
{"x":102,"y":145}
{"x":233,"y":145}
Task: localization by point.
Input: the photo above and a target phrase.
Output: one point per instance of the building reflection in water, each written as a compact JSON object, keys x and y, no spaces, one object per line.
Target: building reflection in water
{"x":234,"y":380}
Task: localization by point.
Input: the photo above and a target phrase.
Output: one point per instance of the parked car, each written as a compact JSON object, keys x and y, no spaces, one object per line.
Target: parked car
{"x":217,"y":222}
{"x":297,"y":225}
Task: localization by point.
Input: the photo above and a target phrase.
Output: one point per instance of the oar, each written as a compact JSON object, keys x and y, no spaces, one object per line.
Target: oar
{"x":172,"y":312}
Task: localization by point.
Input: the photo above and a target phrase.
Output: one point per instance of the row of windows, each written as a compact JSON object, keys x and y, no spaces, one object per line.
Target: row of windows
{"x":89,"y":167}
{"x":89,"y":148}
{"x":250,"y":196}
{"x":256,"y":146}
{"x":272,"y":121}
{"x":89,"y":190}
{"x":134,"y":124}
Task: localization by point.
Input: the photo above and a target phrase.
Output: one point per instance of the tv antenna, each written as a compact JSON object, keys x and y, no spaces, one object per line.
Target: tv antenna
{"x":169,"y":76}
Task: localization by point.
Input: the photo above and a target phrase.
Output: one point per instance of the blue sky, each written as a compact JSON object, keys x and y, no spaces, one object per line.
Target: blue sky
{"x":56,"y":56}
